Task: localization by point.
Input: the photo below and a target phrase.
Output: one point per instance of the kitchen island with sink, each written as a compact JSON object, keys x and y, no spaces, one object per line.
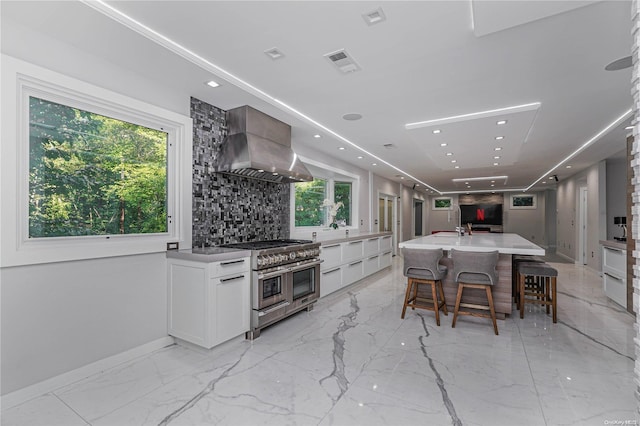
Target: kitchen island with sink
{"x":506,"y":244}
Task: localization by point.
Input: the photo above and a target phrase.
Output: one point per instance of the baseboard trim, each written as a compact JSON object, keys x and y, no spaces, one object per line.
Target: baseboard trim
{"x":564,"y":256}
{"x":49,"y":385}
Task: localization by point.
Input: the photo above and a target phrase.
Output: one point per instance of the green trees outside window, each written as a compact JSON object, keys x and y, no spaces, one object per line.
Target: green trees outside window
{"x":309,"y":199}
{"x":94,"y":175}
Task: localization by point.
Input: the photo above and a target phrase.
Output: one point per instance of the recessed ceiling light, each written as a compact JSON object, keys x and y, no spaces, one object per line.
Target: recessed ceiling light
{"x":629,"y":128}
{"x":496,"y":157}
{"x":453,"y":161}
{"x":496,"y":164}
{"x":568,"y":167}
{"x":316,"y":136}
{"x":499,"y":138}
{"x":341,"y":148}
{"x":544,"y":181}
{"x":401,"y":177}
{"x":493,"y":181}
{"x":449,"y":154}
{"x":501,"y":122}
{"x":417,"y":184}
{"x":498,"y":148}
{"x":212,"y":83}
{"x":473,"y":115}
{"x":492,"y":185}
{"x":468,"y":186}
{"x":374,"y":164}
{"x":456,"y":167}
{"x":443,"y":144}
{"x":360,"y":157}
{"x":436,"y":131}
{"x":352,"y":116}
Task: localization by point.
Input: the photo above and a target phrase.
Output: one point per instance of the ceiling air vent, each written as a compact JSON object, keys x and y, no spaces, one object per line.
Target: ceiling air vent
{"x":374,"y":17}
{"x":389,"y":145}
{"x":341,"y":59}
{"x":274,"y":53}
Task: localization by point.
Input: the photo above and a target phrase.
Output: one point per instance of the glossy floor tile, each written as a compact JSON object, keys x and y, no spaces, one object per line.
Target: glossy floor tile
{"x":353,"y":361}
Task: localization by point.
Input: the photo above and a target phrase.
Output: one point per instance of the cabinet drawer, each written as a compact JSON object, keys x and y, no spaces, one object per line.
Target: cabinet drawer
{"x":615,"y":289}
{"x":371,"y":246}
{"x":614,"y":259}
{"x":353,"y":272}
{"x":232,"y":266}
{"x":330,"y":281}
{"x":371,"y":265}
{"x":385,"y":243}
{"x":352,"y":250}
{"x":385,"y":259}
{"x":331,"y":254}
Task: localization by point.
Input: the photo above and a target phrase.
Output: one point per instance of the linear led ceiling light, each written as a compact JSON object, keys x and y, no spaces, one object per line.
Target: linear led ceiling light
{"x":480,"y":178}
{"x":597,"y":136}
{"x":482,"y":114}
{"x":175,"y":47}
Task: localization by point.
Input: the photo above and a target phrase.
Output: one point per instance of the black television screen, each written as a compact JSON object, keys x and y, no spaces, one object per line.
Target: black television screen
{"x":482,"y":214}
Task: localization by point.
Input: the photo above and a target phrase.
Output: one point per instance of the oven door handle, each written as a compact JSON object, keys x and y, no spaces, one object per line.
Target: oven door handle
{"x":305,"y":266}
{"x":262,"y":276}
{"x":273,"y":308}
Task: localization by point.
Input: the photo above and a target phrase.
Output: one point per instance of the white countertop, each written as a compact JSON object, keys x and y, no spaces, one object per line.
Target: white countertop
{"x":208,"y":254}
{"x":504,"y":243}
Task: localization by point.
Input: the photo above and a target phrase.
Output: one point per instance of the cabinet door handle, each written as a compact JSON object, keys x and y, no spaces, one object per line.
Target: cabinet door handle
{"x":371,"y":239}
{"x":613,"y":277}
{"x":384,"y":254}
{"x":232,"y":263}
{"x":332,"y":245}
{"x":330,"y":271}
{"x":355,"y":242}
{"x":613,"y":249}
{"x":239,"y":277}
{"x":355,"y":263}
{"x":373,"y":257}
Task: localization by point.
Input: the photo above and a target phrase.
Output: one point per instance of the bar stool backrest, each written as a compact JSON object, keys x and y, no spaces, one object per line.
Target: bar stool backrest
{"x":423,"y":264}
{"x":475,"y":267}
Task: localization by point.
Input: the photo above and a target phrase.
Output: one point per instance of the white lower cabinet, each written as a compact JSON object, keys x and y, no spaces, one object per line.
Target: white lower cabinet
{"x":614,"y":274}
{"x":330,"y":280}
{"x":350,"y":261}
{"x":204,"y":308}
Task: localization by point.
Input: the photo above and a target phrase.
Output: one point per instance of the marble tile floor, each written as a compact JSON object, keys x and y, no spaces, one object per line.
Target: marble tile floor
{"x":353,"y":361}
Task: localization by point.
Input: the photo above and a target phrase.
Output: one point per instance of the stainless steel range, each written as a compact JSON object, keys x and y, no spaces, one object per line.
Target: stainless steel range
{"x":285,"y":279}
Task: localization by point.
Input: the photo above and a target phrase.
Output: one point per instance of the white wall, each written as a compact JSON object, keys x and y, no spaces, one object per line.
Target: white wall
{"x":528,"y":223}
{"x":58,"y":317}
{"x":61,"y":316}
{"x":568,"y":220}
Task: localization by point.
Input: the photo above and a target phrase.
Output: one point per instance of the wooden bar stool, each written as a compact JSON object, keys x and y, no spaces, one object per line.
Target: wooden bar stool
{"x":421,"y":267}
{"x":476,"y":270}
{"x":544,"y":290}
{"x":515,"y":280}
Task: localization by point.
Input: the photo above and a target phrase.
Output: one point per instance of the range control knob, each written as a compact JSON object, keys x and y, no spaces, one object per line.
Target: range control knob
{"x":292,"y":255}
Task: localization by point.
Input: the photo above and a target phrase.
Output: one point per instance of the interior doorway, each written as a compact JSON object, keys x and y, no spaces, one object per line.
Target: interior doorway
{"x":387,"y":212}
{"x":418,"y":220}
{"x":582,"y":226}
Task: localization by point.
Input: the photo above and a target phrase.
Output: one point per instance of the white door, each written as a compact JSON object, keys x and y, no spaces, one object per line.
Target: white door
{"x":387,"y":205}
{"x":582,"y":227}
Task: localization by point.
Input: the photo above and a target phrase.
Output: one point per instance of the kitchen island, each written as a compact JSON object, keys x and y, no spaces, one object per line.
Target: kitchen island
{"x":506,"y":244}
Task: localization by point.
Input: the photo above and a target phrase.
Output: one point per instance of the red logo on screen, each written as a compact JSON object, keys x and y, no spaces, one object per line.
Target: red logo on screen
{"x":480,"y":214}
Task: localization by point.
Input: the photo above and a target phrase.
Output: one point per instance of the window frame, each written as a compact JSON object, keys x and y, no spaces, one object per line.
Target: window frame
{"x":20,"y":80}
{"x":331,"y":175}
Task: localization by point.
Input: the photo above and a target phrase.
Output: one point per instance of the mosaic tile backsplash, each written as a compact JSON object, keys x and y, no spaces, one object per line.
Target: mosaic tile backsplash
{"x":229,"y":208}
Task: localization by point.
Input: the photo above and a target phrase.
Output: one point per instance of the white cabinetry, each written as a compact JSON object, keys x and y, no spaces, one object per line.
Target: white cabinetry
{"x":351,"y":260}
{"x":209,"y":303}
{"x":614,"y":274}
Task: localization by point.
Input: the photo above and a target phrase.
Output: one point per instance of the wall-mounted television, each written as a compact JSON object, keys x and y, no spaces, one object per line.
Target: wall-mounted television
{"x":481,"y":214}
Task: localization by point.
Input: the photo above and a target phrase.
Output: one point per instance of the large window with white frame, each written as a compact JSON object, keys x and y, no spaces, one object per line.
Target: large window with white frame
{"x":92,"y":173}
{"x":329,"y":200}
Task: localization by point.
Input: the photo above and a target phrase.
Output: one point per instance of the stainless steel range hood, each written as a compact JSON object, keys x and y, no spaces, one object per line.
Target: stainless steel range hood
{"x":259,"y":147}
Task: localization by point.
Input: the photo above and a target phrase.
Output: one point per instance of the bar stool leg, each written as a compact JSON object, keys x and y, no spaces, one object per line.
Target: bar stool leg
{"x":521,"y":295}
{"x":436,"y":306}
{"x":554,"y":285}
{"x":406,"y":297}
{"x":455,"y":310}
{"x":415,"y":296}
{"x":444,"y":303}
{"x":493,"y":311}
{"x":547,"y":293}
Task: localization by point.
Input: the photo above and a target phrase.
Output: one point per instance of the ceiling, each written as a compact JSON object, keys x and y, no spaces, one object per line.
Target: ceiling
{"x":426,"y":61}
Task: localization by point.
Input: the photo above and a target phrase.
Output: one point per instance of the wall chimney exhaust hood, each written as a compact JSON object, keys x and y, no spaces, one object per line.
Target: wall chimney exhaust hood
{"x":259,"y":147}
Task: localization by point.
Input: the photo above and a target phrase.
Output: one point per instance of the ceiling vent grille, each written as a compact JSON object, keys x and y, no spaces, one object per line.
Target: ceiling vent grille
{"x":343,"y":61}
{"x":374,"y":17}
{"x":274,"y":53}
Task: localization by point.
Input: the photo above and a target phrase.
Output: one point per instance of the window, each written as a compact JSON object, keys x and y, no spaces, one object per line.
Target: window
{"x":93,"y":175}
{"x":87,"y":172}
{"x":312,"y":201}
